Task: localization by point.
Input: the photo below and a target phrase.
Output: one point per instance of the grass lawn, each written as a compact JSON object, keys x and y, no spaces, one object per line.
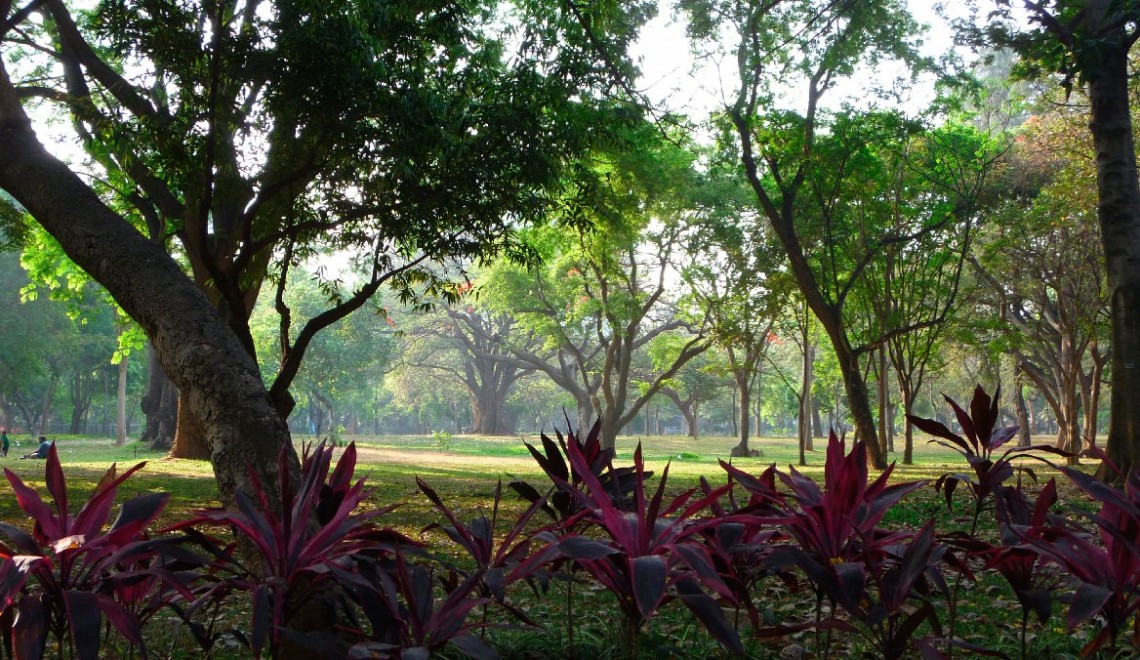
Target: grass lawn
{"x":464,"y":471}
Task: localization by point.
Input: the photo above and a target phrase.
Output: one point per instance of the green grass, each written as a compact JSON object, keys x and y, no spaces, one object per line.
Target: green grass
{"x":465,"y":475}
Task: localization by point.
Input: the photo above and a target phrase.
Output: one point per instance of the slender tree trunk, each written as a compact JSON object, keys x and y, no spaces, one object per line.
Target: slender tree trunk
{"x":745,"y":410}
{"x":884,"y":400}
{"x":1118,"y":211}
{"x":45,"y":404}
{"x":1024,"y":438}
{"x":908,"y":407}
{"x":121,"y":404}
{"x":859,"y":405}
{"x":816,"y":419}
{"x":804,"y":422}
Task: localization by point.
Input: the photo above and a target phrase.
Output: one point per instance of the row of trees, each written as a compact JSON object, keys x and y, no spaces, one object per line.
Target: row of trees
{"x":225,"y":145}
{"x":683,"y":303}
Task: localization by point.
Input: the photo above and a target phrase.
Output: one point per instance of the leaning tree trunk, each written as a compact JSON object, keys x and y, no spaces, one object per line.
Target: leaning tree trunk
{"x":195,"y":346}
{"x":884,"y":402}
{"x":1118,"y":211}
{"x":859,"y":405}
{"x":805,"y":421}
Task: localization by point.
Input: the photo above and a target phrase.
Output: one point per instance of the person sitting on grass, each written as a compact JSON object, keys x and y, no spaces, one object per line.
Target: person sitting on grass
{"x":41,"y":451}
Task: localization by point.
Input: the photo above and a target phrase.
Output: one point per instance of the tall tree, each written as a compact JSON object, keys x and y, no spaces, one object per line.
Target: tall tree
{"x":941,"y":173}
{"x":468,"y":345}
{"x":734,"y":270}
{"x":1088,"y":42}
{"x":815,"y":44}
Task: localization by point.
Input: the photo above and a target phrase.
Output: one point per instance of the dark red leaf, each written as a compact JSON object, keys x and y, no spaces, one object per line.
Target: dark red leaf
{"x":649,"y":575}
{"x":1088,"y":600}
{"x":938,"y":430}
{"x":83,"y":621}
{"x":135,"y":515}
{"x":473,"y":647}
{"x":711,"y":615}
{"x":29,"y":632}
{"x":580,"y":548}
{"x":262,"y":618}
{"x":57,"y":484}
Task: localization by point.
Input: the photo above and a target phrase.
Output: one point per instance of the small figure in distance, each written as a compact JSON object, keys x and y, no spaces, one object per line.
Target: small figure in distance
{"x":4,"y":443}
{"x":41,"y":451}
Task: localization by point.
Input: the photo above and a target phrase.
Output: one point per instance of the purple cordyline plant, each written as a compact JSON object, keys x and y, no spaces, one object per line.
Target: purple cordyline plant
{"x":1106,"y":563}
{"x":650,"y":553}
{"x":70,"y":573}
{"x":881,"y":579}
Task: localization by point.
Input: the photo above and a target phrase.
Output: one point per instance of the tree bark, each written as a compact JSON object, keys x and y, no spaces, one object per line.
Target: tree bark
{"x":196,"y":348}
{"x":1118,"y":211}
{"x":744,"y":390}
{"x":159,"y":405}
{"x":1024,"y":429}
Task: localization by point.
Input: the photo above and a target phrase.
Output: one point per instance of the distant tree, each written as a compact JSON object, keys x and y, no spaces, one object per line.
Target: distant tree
{"x":1042,"y":266}
{"x":734,"y":270}
{"x":696,"y":383}
{"x":467,"y":344}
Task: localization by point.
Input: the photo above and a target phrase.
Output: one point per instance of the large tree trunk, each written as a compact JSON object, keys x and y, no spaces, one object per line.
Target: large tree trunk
{"x":189,"y":439}
{"x":196,"y":348}
{"x":160,"y":406}
{"x":1118,"y":211}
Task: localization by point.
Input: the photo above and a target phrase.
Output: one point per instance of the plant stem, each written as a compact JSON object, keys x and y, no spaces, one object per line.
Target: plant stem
{"x":570,"y":610}
{"x":957,"y":586}
{"x":1025,"y":624}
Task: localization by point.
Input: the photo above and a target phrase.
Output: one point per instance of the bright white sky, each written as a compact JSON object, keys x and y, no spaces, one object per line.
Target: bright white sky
{"x":666,"y":64}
